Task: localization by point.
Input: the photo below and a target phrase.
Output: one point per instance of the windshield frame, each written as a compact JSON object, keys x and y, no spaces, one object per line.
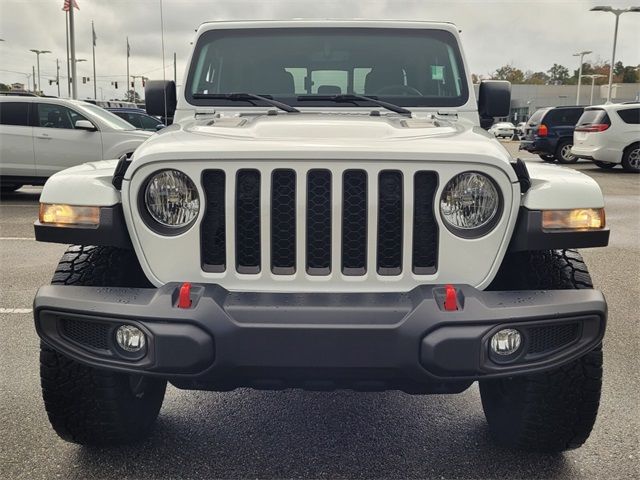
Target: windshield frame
{"x":440,"y":34}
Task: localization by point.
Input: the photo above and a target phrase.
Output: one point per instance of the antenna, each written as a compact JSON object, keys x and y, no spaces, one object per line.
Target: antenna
{"x":164,"y":73}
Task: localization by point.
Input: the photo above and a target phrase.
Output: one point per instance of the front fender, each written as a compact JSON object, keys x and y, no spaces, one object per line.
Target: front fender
{"x":554,"y":187}
{"x":88,"y":184}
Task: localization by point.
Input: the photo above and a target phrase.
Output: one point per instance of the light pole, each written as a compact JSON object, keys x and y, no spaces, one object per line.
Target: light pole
{"x":38,"y":53}
{"x":78,"y":60}
{"x":617,"y":12}
{"x":593,"y":81}
{"x":581,"y":55}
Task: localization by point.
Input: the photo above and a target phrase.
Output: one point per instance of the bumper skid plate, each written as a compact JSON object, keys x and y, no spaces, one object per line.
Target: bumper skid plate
{"x":370,"y":341}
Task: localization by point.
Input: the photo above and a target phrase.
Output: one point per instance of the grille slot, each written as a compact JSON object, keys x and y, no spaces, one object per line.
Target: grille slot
{"x":283,"y":222}
{"x":389,"y":254}
{"x":425,"y":227}
{"x":354,"y":222}
{"x":212,"y":231}
{"x":93,"y":335}
{"x":548,"y":338}
{"x":318,"y":222}
{"x":248,"y":221}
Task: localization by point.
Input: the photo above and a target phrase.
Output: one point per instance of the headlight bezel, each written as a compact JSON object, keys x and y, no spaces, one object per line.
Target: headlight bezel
{"x":484,"y":229}
{"x":155,"y":225}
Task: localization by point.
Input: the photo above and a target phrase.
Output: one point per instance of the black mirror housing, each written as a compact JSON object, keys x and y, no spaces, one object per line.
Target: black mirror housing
{"x":157,"y":94}
{"x":494,"y":99}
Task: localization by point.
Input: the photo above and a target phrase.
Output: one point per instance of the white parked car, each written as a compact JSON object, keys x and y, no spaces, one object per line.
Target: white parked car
{"x":609,"y":135}
{"x":503,"y":130}
{"x":351,"y":227}
{"x":40,"y":136}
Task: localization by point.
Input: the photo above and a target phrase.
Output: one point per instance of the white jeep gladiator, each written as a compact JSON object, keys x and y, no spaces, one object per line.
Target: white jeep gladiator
{"x":325,"y":212}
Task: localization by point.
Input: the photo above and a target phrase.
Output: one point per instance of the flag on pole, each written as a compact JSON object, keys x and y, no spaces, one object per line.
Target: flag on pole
{"x":68,"y":3}
{"x":93,"y":33}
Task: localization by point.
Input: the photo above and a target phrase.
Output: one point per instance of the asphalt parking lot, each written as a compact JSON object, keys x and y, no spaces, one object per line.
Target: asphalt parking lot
{"x":318,"y":435}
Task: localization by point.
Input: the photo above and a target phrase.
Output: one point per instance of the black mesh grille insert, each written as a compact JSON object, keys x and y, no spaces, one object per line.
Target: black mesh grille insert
{"x":93,"y":335}
{"x":319,"y":222}
{"x":248,"y":221}
{"x":354,"y":222}
{"x":212,"y":231}
{"x":545,"y":339}
{"x":283,"y":222}
{"x":390,"y":223}
{"x":425,"y":228}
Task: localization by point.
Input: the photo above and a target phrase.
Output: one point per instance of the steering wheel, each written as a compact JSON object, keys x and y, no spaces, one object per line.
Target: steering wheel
{"x":399,"y":89}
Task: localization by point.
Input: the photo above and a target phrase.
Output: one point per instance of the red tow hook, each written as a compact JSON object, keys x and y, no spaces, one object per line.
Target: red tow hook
{"x":450,"y":298}
{"x":184,"y":297}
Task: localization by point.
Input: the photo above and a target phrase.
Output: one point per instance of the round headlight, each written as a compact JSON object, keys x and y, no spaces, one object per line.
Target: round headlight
{"x":470,"y":204}
{"x":171,"y":198}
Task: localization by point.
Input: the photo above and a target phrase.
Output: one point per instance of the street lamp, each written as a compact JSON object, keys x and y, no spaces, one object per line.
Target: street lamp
{"x":581,"y":55}
{"x":617,"y":12}
{"x":593,"y":80}
{"x":38,"y":53}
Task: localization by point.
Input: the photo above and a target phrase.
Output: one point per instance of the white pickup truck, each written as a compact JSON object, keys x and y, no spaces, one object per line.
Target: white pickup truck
{"x":324,"y":213}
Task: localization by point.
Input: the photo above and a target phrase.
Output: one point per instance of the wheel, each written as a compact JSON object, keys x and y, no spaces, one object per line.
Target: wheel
{"x":631,"y":158}
{"x":88,"y":405}
{"x":555,"y":410}
{"x":8,"y":188}
{"x":548,"y":158}
{"x":605,"y":165}
{"x":563,"y":152}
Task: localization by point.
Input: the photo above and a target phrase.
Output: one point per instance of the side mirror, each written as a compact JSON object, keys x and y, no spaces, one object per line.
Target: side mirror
{"x":160,"y":126}
{"x":160,"y":98}
{"x":85,"y":125}
{"x":494,"y":100}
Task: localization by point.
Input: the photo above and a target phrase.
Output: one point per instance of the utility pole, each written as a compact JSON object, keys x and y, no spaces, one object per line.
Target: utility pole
{"x":93,"y":41}
{"x":72,"y":48}
{"x":127,"y":80}
{"x":38,"y":53}
{"x":581,"y":55}
{"x":175,"y":69}
{"x":33,"y":75}
{"x":66,"y":16}
{"x":593,"y":80}
{"x":58,"y":75}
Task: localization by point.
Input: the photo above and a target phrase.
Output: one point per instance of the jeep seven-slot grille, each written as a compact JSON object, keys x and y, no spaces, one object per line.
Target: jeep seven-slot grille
{"x":306,"y":240}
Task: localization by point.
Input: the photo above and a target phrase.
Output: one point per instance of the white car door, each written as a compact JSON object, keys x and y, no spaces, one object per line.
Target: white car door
{"x":17,"y":157}
{"x":58,"y":144}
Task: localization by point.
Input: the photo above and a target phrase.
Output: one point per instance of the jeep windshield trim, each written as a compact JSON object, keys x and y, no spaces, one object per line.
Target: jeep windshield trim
{"x":404,"y":67}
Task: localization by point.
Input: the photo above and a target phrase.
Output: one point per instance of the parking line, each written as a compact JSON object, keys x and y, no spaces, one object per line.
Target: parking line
{"x":35,"y":205}
{"x":17,"y":238}
{"x":15,"y":310}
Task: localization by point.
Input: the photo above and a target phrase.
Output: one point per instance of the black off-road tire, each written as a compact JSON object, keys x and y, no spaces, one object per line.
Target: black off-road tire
{"x":563,"y":153}
{"x":87,"y":405}
{"x":554,"y":410}
{"x":605,"y":165}
{"x":631,"y":158}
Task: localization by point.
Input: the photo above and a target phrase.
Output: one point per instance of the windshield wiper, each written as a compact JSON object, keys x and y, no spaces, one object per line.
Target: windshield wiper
{"x":244,"y":97}
{"x":353,"y":98}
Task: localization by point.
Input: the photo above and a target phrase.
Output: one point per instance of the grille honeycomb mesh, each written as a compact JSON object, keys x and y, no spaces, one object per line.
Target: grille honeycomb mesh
{"x":425,"y":228}
{"x":547,"y":338}
{"x":94,"y":335}
{"x":212,"y":232}
{"x":248,"y":221}
{"x":390,"y":222}
{"x":319,"y":222}
{"x":354,"y":222}
{"x":283,"y":222}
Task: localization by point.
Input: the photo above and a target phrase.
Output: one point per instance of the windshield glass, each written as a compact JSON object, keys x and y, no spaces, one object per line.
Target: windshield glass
{"x":407,"y":67}
{"x":111,"y":120}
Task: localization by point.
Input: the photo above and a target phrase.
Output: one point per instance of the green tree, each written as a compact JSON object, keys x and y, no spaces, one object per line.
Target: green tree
{"x":4,"y":87}
{"x":131,"y":96}
{"x":558,"y":74}
{"x":618,"y":68}
{"x":509,"y":73}
{"x":536,"y":78}
{"x":631,"y":75}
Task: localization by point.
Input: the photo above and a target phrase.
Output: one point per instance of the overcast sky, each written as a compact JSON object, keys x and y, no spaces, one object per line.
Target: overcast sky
{"x":531,"y":35}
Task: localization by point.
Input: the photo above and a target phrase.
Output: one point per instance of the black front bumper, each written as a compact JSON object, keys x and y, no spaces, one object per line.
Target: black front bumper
{"x":369,"y":341}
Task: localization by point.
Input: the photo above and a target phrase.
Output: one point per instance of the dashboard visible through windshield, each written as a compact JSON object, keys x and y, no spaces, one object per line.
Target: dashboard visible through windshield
{"x":408,"y":67}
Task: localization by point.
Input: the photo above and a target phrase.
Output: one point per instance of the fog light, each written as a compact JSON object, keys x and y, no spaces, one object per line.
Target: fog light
{"x":506,"y":341}
{"x":130,"y":338}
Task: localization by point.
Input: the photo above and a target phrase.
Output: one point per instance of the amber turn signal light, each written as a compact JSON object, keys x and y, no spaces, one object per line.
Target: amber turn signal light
{"x":69,"y":214}
{"x":577,"y":219}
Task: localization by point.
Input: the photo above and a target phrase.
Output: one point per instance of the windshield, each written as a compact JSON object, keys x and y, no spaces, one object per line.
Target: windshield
{"x":407,"y":67}
{"x":111,"y":120}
